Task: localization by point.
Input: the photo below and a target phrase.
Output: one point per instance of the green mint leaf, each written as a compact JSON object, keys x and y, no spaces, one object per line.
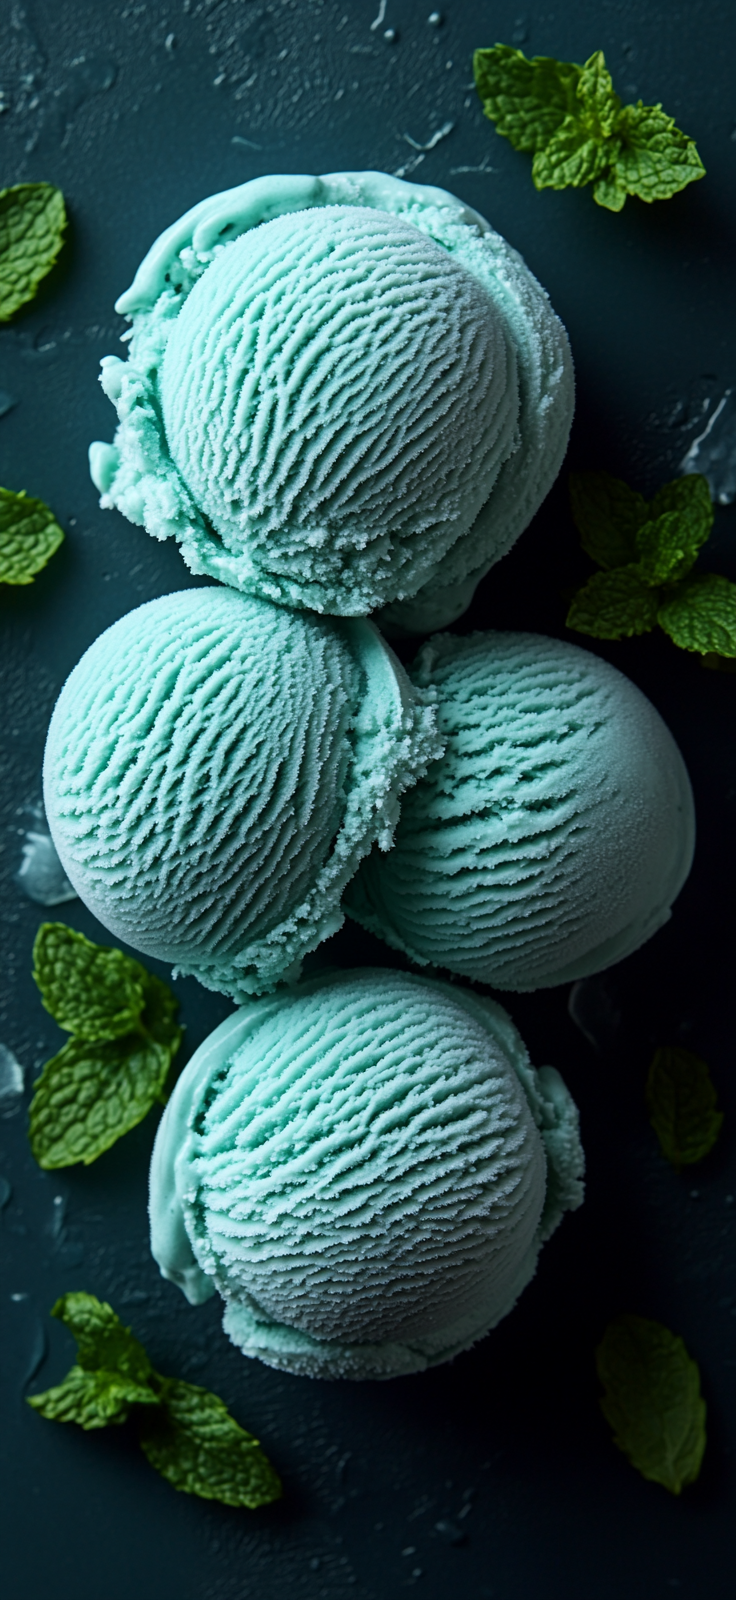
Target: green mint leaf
{"x":608,"y":515}
{"x":666,"y":552}
{"x":655,"y":159}
{"x":610,"y":191}
{"x":528,"y":100}
{"x":29,"y":535}
{"x":690,"y":497}
{"x":571,"y":159}
{"x":582,"y":149}
{"x":194,"y":1442}
{"x":701,"y":615}
{"x":680,"y":520}
{"x":90,"y":1094}
{"x":102,"y":1339}
{"x":572,"y":121}
{"x":92,"y":1399}
{"x":652,"y":1400}
{"x":599,"y":104}
{"x":32,"y":223}
{"x":613,"y":605}
{"x":92,"y":990}
{"x":682,"y":1106}
{"x":108,"y":1076}
{"x":112,"y":1372}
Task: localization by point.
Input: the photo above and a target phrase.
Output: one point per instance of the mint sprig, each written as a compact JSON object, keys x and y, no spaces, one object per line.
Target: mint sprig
{"x":652,"y":1400}
{"x":186,"y":1432}
{"x":647,"y":550}
{"x":682,"y":1104}
{"x":572,"y":122}
{"x":115,"y":1066}
{"x":32,"y":225}
{"x":29,"y":535}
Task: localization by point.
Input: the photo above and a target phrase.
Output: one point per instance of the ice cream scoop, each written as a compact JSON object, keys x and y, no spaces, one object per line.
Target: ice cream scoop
{"x":553,"y":835}
{"x":365,"y":1167}
{"x":215,"y":768}
{"x":342,"y":393}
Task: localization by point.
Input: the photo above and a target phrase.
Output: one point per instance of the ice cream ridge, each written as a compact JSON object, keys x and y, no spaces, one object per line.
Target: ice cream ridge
{"x":345,"y":393}
{"x":365,"y":1166}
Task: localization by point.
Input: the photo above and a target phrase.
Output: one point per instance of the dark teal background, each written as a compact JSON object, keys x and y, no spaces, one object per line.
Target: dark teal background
{"x":494,"y":1478}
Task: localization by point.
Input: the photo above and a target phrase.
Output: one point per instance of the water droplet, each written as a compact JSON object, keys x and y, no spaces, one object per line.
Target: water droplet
{"x":12,"y":1079}
{"x":594,"y":1010}
{"x":41,"y":875}
{"x":451,"y":1532}
{"x":7,"y":401}
{"x":41,"y":348}
{"x":56,"y":1225}
{"x":5,"y":1193}
{"x":36,"y":1352}
{"x":434,"y":19}
{"x":90,"y":75}
{"x":713,"y":451}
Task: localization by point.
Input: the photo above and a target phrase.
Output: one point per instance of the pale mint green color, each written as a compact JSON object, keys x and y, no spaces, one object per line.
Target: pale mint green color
{"x":215,"y":768}
{"x":554,"y":834}
{"x":342,"y":393}
{"x":365,"y":1167}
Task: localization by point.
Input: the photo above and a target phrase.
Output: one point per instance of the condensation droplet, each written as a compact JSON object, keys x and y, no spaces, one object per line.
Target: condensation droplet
{"x":12,"y":1081}
{"x":41,"y":875}
{"x":713,"y":451}
{"x":36,"y":1352}
{"x":595,"y":1012}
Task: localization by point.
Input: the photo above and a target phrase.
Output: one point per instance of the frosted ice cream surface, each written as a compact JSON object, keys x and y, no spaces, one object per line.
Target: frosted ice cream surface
{"x":215,"y":768}
{"x":327,"y":366}
{"x":365,"y":1167}
{"x":551,"y":838}
{"x":341,"y":393}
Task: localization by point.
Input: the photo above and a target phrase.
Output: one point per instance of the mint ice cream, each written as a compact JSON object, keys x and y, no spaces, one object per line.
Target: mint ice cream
{"x":553,"y":835}
{"x":365,"y":1167}
{"x":342,"y":393}
{"x":215,"y":768}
